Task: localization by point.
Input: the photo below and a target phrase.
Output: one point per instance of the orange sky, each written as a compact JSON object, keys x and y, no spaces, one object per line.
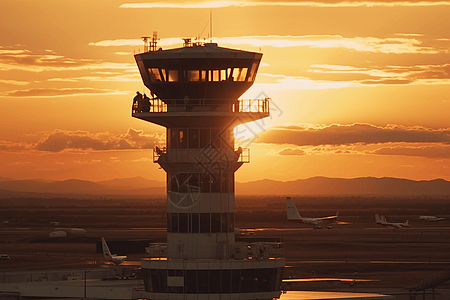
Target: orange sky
{"x":358,"y":88}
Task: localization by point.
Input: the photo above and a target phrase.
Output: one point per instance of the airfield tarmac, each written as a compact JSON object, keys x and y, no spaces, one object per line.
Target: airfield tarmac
{"x":368,"y":257}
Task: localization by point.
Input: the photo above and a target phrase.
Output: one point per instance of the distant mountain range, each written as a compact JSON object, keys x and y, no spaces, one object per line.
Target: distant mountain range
{"x":316,"y":186}
{"x":126,"y":186}
{"x":363,"y":186}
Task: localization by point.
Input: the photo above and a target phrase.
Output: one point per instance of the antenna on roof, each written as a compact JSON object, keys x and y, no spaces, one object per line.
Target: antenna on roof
{"x":210,"y":25}
{"x":150,"y":42}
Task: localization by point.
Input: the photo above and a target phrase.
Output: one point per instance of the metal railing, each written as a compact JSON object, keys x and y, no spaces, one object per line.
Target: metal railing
{"x":242,"y":155}
{"x":237,"y":251}
{"x":156,"y":105}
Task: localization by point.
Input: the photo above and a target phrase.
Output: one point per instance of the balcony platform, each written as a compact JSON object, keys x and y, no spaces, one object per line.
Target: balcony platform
{"x":201,"y":113}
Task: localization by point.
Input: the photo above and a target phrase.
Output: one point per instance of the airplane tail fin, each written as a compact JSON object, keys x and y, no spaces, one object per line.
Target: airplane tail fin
{"x":377,"y":219}
{"x":106,"y":252}
{"x":292,"y":212}
{"x":407,"y":223}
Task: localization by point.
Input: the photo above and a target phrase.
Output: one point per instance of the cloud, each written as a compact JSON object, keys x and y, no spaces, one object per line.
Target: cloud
{"x":420,"y":74}
{"x":222,"y":4}
{"x":290,"y":151}
{"x":435,"y":151}
{"x":397,"y":45}
{"x":11,"y":146}
{"x":14,"y":82}
{"x":25,"y":60}
{"x":352,"y":134}
{"x":284,"y":82}
{"x":59,"y":140}
{"x":53,"y":92}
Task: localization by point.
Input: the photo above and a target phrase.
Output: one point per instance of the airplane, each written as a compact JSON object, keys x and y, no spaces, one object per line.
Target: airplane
{"x":430,"y":218}
{"x":116,"y":259}
{"x":63,"y":232}
{"x":293,"y":215}
{"x":382,"y":221}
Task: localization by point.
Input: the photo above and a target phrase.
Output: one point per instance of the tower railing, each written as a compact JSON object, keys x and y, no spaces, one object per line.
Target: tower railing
{"x":237,"y":251}
{"x":242,"y":155}
{"x":156,"y":105}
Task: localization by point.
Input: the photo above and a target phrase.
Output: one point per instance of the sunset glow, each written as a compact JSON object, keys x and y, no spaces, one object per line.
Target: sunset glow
{"x":357,"y":88}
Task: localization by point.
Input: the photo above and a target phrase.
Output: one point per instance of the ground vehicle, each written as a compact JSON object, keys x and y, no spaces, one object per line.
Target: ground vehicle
{"x":4,"y":257}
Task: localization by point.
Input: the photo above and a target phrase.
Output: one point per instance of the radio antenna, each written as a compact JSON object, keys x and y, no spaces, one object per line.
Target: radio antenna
{"x":210,"y":25}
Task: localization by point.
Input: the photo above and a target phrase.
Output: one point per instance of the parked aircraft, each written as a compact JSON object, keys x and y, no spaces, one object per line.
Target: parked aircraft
{"x":63,"y":232}
{"x":116,"y":259}
{"x":430,"y":218}
{"x":293,"y":215}
{"x":382,"y":221}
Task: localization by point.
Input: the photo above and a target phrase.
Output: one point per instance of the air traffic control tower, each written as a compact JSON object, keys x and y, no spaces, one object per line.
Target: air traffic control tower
{"x":194,"y":94}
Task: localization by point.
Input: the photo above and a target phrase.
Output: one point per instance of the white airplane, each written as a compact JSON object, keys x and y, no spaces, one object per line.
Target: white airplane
{"x":293,"y":215}
{"x":430,"y":218}
{"x":63,"y":232}
{"x":116,"y":259}
{"x":382,"y":221}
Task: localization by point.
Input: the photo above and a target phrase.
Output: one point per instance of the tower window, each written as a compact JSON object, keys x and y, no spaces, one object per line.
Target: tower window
{"x":239,"y":74}
{"x":154,"y":74}
{"x":193,"y":75}
{"x":173,"y":75}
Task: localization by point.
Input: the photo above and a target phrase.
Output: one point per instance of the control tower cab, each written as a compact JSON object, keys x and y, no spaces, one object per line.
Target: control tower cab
{"x":194,"y":94}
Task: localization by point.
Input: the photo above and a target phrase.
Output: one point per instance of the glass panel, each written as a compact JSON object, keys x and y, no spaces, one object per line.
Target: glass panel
{"x":226,"y":281}
{"x":155,"y":280}
{"x":163,"y":72}
{"x":242,"y":74}
{"x":252,"y":74}
{"x":183,"y":222}
{"x":173,"y":139}
{"x":183,"y":181}
{"x":203,"y":73}
{"x":163,"y":281}
{"x":214,"y":281}
{"x":191,"y":281}
{"x":215,"y":183}
{"x":213,"y":75}
{"x":193,"y":138}
{"x":204,"y":138}
{"x":235,"y":280}
{"x":174,"y":184}
{"x":204,"y":223}
{"x":193,"y":75}
{"x":194,"y":182}
{"x":224,"y":186}
{"x":182,"y":141}
{"x":148,"y":280}
{"x":224,"y":222}
{"x":205,"y":183}
{"x":215,"y":138}
{"x":215,"y":222}
{"x":195,"y":223}
{"x":174,"y":217}
{"x":202,"y":281}
{"x":231,"y":222}
{"x":223,"y":75}
{"x":249,"y":282}
{"x":173,"y":76}
{"x":154,"y":74}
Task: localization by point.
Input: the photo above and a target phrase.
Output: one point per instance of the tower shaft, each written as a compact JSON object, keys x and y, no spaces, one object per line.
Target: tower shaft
{"x":195,"y":92}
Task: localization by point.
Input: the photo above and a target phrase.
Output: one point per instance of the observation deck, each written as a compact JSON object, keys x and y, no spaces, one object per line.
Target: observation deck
{"x":176,"y":112}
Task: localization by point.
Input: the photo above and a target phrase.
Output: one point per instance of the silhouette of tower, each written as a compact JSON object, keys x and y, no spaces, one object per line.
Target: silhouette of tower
{"x":195,"y":91}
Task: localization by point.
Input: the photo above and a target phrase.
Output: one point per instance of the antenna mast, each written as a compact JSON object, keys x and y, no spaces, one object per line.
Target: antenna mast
{"x":210,"y":25}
